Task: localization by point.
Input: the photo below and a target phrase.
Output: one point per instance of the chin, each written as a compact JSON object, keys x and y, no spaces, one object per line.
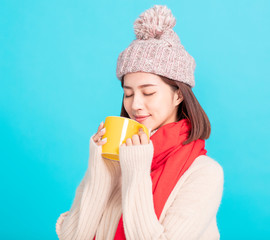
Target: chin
{"x":150,"y":126}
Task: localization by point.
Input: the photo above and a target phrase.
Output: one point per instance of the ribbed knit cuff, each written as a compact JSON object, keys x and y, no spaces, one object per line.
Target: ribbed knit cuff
{"x":83,"y":219}
{"x":140,"y":220}
{"x":102,"y":168}
{"x":94,"y":154}
{"x":136,"y":158}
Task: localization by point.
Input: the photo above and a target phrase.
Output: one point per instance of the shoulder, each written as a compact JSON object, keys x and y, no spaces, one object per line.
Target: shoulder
{"x":205,"y":177}
{"x":203,"y":180}
{"x":204,"y":160}
{"x":206,"y":169}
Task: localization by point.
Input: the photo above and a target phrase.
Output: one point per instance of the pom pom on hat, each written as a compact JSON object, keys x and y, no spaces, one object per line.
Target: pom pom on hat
{"x":154,"y":22}
{"x":157,"y":49}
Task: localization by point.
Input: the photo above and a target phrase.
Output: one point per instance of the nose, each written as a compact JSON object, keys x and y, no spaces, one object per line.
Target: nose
{"x":137,"y":102}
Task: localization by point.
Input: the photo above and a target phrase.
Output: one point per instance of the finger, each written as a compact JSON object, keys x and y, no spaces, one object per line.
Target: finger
{"x":102,"y":142}
{"x":129,"y":142}
{"x":140,"y":131}
{"x":136,"y":140}
{"x":95,"y":138}
{"x":123,"y":145}
{"x":99,"y":134}
{"x":101,"y":125}
{"x":143,"y":138}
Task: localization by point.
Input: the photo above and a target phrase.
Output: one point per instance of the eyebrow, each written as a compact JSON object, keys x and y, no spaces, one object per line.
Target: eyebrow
{"x":141,"y":86}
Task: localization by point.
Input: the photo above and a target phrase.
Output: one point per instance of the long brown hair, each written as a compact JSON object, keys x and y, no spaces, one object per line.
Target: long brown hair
{"x":189,"y":108}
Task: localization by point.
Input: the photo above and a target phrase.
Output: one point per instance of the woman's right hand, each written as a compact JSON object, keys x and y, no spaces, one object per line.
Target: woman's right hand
{"x":99,"y":134}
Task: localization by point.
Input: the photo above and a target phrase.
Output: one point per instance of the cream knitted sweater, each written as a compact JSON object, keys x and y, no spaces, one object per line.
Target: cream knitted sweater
{"x":110,"y":188}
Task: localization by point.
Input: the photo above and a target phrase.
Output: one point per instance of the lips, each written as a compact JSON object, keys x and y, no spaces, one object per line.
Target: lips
{"x":141,"y":118}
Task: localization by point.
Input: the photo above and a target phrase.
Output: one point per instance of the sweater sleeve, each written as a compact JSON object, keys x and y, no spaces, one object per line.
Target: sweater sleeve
{"x":91,"y":197}
{"x":194,"y":207}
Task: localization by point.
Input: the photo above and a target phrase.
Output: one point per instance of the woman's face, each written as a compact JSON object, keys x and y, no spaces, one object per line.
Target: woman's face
{"x":149,"y":100}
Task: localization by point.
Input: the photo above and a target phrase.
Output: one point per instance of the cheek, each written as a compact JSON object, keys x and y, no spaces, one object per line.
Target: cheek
{"x":155,"y":105}
{"x":126,"y":105}
{"x":160,"y":104}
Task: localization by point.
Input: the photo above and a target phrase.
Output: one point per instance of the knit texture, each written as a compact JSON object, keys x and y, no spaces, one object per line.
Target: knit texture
{"x":169,"y":162}
{"x":189,"y":213}
{"x":157,"y":48}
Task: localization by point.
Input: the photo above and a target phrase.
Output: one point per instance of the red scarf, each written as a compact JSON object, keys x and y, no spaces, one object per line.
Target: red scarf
{"x":171,"y":159}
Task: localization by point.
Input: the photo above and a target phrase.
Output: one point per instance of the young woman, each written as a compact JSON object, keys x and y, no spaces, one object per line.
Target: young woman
{"x":165,"y":187}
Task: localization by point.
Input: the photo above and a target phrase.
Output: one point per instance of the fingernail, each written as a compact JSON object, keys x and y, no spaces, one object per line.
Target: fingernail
{"x":104,"y":140}
{"x":102,"y":130}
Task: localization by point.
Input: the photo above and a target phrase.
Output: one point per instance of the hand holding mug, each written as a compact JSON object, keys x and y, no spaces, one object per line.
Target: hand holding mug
{"x":121,"y":130}
{"x":99,"y":134}
{"x":137,"y":139}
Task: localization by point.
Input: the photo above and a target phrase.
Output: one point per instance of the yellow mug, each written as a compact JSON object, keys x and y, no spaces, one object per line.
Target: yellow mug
{"x":118,"y":130}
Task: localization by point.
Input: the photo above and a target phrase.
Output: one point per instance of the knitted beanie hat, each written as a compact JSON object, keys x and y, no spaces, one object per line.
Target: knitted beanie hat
{"x":157,"y":48}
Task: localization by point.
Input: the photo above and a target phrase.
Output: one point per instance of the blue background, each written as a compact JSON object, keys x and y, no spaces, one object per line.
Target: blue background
{"x":58,"y":82}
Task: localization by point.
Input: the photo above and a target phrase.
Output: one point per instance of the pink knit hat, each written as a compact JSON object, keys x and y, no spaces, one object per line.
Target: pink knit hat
{"x":157,"y":48}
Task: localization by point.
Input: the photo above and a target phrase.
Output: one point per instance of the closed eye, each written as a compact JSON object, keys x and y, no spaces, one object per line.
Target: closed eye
{"x":145,"y":94}
{"x":148,"y":94}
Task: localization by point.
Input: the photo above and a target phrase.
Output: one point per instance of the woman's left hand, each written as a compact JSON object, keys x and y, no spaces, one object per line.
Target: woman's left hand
{"x":137,"y":139}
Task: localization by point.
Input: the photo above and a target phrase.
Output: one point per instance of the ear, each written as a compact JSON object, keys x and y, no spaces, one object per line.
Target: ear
{"x":178,"y":97}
